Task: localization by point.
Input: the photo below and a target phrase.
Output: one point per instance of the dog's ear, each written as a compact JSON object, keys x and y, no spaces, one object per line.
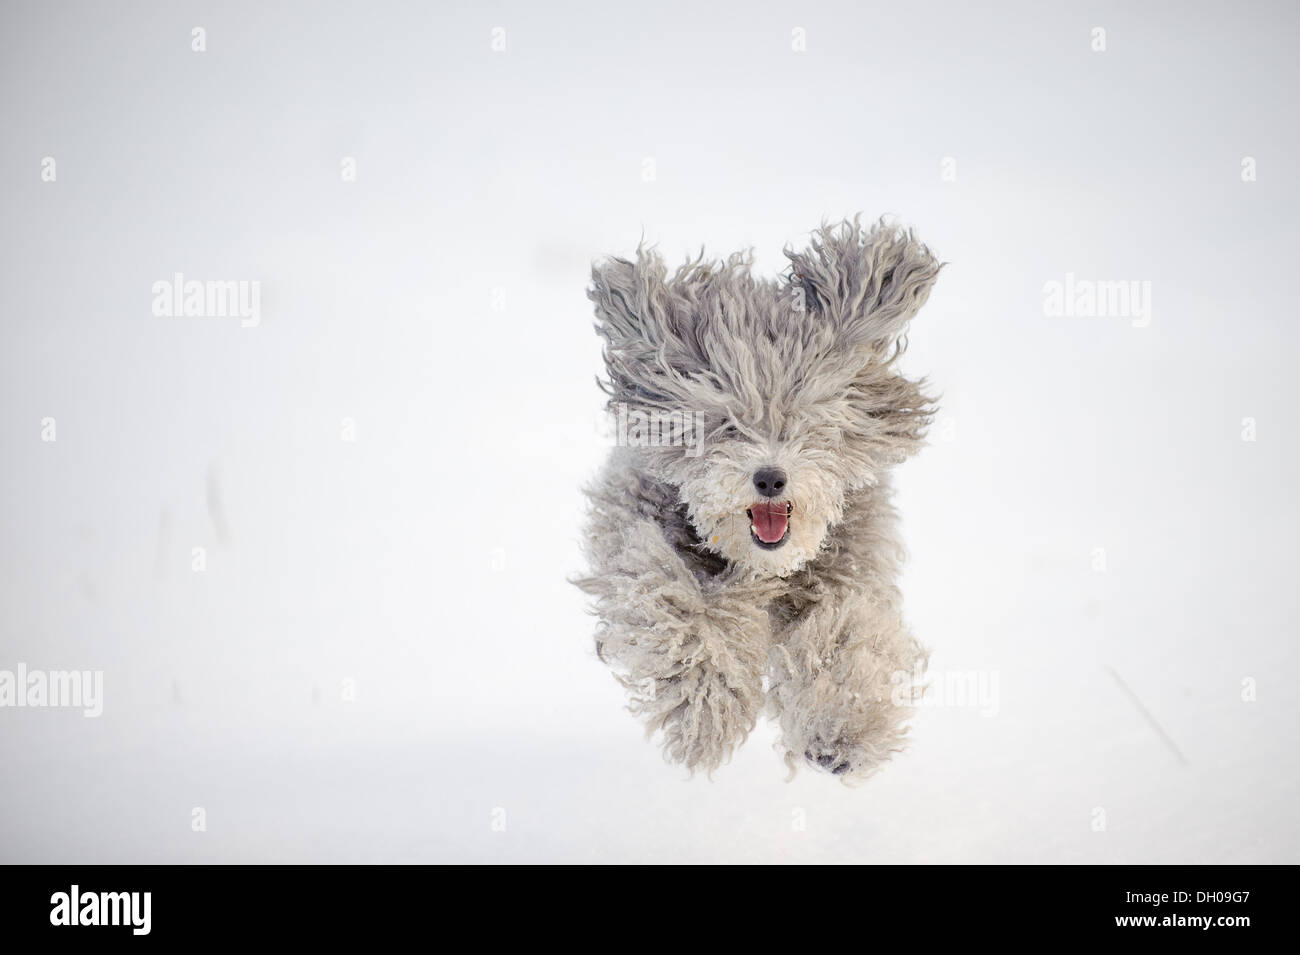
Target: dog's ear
{"x":643,"y":318}
{"x":868,"y":283}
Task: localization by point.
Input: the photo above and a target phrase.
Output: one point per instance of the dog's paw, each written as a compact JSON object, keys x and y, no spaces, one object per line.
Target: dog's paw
{"x":830,"y":758}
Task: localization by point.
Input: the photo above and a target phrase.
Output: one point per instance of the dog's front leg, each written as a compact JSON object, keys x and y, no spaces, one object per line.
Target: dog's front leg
{"x":692,"y":655}
{"x":842,"y":682}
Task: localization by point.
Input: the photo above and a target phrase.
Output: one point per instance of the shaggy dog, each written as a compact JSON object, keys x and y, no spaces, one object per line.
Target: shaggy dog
{"x":742,"y":543}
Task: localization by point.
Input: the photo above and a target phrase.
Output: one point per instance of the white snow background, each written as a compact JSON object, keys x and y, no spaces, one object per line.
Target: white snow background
{"x":1088,"y":525}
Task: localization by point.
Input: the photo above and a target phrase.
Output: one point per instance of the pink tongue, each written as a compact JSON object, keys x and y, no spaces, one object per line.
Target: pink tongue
{"x":769,"y":521}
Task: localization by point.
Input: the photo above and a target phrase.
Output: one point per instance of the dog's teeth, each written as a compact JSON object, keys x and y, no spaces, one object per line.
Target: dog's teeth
{"x":753,"y":528}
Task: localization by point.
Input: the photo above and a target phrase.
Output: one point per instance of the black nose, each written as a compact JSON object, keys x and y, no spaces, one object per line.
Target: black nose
{"x":769,"y":481}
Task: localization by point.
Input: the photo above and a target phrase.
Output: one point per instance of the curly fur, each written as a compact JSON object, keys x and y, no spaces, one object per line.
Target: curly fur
{"x":798,"y":373}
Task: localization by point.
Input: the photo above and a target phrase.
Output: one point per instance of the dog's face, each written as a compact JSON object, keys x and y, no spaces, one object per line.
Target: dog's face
{"x":764,"y":492}
{"x":766,"y":404}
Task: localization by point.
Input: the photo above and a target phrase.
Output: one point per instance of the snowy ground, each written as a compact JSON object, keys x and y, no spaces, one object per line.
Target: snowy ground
{"x":380,"y":659}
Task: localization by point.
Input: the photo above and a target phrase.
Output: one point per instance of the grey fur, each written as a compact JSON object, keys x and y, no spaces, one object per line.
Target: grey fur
{"x":797,"y":373}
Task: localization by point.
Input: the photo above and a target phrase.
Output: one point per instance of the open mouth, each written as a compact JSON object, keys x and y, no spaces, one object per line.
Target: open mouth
{"x":769,"y":523}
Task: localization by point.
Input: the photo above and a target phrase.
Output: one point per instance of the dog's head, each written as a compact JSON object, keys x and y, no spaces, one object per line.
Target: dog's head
{"x":767,"y":403}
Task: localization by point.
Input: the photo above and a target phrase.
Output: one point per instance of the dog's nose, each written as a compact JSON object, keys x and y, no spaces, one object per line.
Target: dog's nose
{"x":769,"y":481}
